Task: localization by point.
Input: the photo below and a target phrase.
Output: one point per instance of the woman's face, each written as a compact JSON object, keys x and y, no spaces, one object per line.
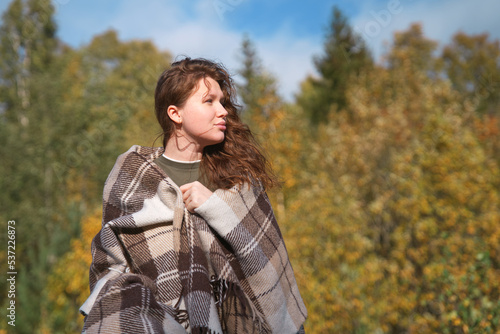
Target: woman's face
{"x":203,"y":116}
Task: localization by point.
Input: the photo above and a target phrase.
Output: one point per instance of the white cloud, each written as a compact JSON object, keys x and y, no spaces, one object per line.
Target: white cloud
{"x":440,"y":20}
{"x":289,"y":60}
{"x":197,"y":29}
{"x":202,"y":33}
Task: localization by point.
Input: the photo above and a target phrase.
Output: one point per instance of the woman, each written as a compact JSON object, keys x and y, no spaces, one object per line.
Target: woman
{"x":189,"y":242}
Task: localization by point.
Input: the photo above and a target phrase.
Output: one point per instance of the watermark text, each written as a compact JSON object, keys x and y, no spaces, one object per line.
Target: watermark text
{"x":11,"y":272}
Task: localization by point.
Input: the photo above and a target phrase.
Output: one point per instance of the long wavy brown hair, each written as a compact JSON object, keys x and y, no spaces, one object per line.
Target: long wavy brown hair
{"x":238,"y":158}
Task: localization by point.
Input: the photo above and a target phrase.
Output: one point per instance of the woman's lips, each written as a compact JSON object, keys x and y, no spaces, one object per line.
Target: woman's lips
{"x":221,"y":125}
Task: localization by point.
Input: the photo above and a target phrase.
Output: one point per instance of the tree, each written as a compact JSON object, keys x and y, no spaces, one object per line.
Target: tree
{"x":113,"y":86}
{"x":345,"y":56}
{"x":412,"y":50}
{"x":68,"y":283}
{"x":257,"y":85}
{"x":472,"y":63}
{"x":110,"y":103}
{"x":397,"y":229}
{"x":65,"y":116}
{"x":277,"y":126}
{"x":28,"y":87}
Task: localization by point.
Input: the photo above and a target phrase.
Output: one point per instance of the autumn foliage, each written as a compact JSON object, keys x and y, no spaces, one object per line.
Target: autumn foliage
{"x":390,"y":188}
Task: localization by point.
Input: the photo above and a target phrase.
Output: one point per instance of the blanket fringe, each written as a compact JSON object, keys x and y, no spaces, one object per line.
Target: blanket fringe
{"x":224,"y":291}
{"x":181,"y":316}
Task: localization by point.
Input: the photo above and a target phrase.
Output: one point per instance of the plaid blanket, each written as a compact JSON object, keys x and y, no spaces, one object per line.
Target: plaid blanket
{"x":157,"y":268}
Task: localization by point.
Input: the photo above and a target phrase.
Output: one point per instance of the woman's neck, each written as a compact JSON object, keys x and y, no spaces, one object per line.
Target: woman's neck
{"x":178,"y":148}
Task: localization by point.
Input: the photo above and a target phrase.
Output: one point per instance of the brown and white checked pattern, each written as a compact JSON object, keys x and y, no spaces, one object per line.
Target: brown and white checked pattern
{"x":159,"y":269}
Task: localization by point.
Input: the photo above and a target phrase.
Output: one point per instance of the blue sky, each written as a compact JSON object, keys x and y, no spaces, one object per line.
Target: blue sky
{"x":287,"y":33}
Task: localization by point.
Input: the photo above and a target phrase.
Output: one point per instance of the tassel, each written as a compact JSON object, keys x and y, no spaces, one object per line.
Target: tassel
{"x":181,"y":316}
{"x":223,"y":292}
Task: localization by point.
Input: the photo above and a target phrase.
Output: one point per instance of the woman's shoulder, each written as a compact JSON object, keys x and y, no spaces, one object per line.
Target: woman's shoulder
{"x":134,"y":157}
{"x":148,"y":153}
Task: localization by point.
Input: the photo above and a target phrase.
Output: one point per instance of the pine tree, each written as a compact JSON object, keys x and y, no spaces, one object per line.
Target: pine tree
{"x":257,"y":84}
{"x":277,"y":126}
{"x":345,"y":55}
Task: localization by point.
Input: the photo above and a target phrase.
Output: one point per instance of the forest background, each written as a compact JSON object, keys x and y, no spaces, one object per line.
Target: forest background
{"x":390,"y":197}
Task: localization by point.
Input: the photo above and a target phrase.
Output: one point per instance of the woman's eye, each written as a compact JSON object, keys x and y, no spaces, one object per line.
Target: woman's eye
{"x":209,"y":101}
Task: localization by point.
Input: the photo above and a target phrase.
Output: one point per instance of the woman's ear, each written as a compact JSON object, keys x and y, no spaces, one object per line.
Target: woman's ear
{"x":174,"y":114}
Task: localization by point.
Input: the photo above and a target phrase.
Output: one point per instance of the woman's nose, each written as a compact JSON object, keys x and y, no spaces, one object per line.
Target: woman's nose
{"x":221,"y":111}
